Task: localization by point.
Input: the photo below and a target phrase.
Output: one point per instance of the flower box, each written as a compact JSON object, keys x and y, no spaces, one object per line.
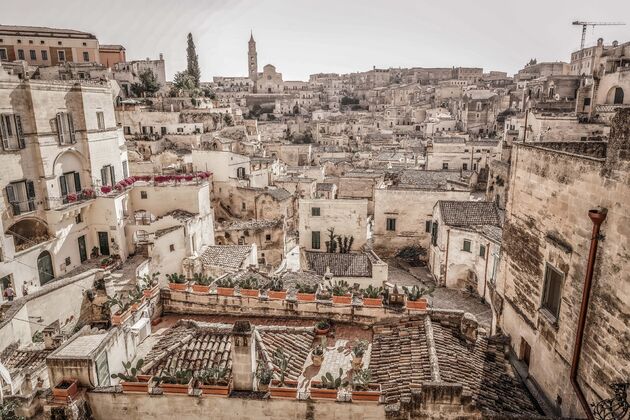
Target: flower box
{"x":119,"y":318}
{"x":222,"y":390}
{"x":250,"y":292}
{"x":419,"y":304}
{"x":272,"y":294}
{"x":200,"y":288}
{"x":149,"y":293}
{"x":177,"y":388}
{"x":342,"y":300}
{"x":322,"y":393}
{"x":373,"y":302}
{"x":178,"y":286}
{"x":141,"y":386}
{"x":65,"y":389}
{"x":289,"y":390}
{"x":135,"y":306}
{"x":373,"y":394}
{"x":306,"y":297}
{"x":225,"y":291}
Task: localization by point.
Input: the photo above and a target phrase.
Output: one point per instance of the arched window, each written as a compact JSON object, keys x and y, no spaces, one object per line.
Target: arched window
{"x":45,"y":268}
{"x":618,"y":100}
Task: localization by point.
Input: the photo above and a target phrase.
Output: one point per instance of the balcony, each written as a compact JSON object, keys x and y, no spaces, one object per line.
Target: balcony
{"x":69,"y":200}
{"x":18,"y":208}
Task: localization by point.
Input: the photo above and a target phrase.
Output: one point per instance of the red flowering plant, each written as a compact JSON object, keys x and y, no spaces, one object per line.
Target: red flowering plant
{"x":106,"y":189}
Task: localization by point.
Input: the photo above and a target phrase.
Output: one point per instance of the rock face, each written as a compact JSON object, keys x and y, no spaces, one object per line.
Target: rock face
{"x":469,"y":327}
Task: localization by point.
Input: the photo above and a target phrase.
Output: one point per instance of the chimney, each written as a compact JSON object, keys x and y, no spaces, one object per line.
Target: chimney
{"x":161,"y":57}
{"x":469,"y":327}
{"x":242,"y":363}
{"x":51,"y":335}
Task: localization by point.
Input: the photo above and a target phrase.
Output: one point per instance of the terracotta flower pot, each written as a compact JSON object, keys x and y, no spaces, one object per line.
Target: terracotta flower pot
{"x":119,"y":318}
{"x":149,"y":293}
{"x":65,"y":389}
{"x":373,"y":394}
{"x":141,"y":386}
{"x":135,"y":306}
{"x":306,"y":297}
{"x":342,"y":300}
{"x":225,"y":291}
{"x":222,"y":390}
{"x":176,"y":388}
{"x":322,"y":393}
{"x":322,"y":331}
{"x":373,"y":302}
{"x":272,"y":294}
{"x":181,"y":287}
{"x":288,"y":390}
{"x":200,"y":288}
{"x":250,"y":292}
{"x":419,"y":304}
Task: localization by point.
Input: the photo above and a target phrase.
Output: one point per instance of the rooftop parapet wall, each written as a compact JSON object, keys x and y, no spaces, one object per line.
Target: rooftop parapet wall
{"x":588,"y":149}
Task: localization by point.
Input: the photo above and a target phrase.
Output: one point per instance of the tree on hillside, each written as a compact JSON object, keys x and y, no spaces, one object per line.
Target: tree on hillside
{"x":148,"y":84}
{"x":193,"y":61}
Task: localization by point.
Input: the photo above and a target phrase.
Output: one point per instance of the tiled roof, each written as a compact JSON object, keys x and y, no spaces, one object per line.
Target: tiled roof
{"x":7,"y":29}
{"x":469,"y":213}
{"x":291,"y":278}
{"x":111,"y":47}
{"x":192,"y":346}
{"x":181,"y":215}
{"x":434,"y":180}
{"x":296,"y":342}
{"x":81,"y":347}
{"x":479,"y":94}
{"x":340,"y":265}
{"x":250,"y":224}
{"x":325,"y":186}
{"x":228,"y":256}
{"x":17,"y":360}
{"x":414,"y":350}
{"x":278,"y":194}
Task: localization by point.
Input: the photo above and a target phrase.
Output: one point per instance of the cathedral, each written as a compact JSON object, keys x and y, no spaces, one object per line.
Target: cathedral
{"x":269,"y":81}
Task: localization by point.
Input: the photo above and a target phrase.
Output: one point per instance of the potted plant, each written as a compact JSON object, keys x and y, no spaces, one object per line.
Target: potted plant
{"x":340,"y":293}
{"x":95,"y":252}
{"x":276,"y":289}
{"x":106,"y":189}
{"x":373,"y":296}
{"x":177,"y":282}
{"x":249,"y":287}
{"x":201,"y":283}
{"x":150,"y":285}
{"x":306,"y":292}
{"x":322,"y":327}
{"x":214,"y":381}
{"x":358,"y":350}
{"x":65,"y":389}
{"x":179,"y":382}
{"x":318,"y":355}
{"x":415,"y":299}
{"x":107,"y":262}
{"x":130,"y":380}
{"x":324,"y":293}
{"x":264,"y":376}
{"x":225,"y":286}
{"x":362,"y":389}
{"x":123,"y":312}
{"x":328,"y":387}
{"x":282,"y":387}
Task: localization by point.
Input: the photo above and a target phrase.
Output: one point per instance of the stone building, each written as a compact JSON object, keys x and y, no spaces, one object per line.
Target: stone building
{"x":545,"y":255}
{"x":269,"y":81}
{"x":456,"y":153}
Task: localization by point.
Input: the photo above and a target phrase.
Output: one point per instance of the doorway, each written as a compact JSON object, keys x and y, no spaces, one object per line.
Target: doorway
{"x":45,"y":268}
{"x":82,"y":248}
{"x":103,"y":243}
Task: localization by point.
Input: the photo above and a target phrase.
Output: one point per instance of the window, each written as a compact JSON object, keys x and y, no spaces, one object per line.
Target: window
{"x":68,"y":261}
{"x":445,"y":165}
{"x":79,"y":218}
{"x":240,"y":173}
{"x":465,"y":166}
{"x":20,"y":54}
{"x":180,"y":129}
{"x":552,"y":291}
{"x":33,"y":54}
{"x":11,"y":132}
{"x":243,"y":206}
{"x":315,"y":211}
{"x":3,"y":54}
{"x":163,"y":130}
{"x":100,"y":120}
{"x":482,"y":251}
{"x":427,"y":226}
{"x":143,"y":195}
{"x":108,"y":175}
{"x":467,"y":245}
{"x":268,"y":238}
{"x":21,"y":196}
{"x":61,"y":55}
{"x":69,"y":184}
{"x":86,"y":56}
{"x":127,"y":130}
{"x":125,"y":167}
{"x":390,"y":224}
{"x":315,"y":240}
{"x":171,"y":247}
{"x":65,"y":128}
{"x":44,"y":55}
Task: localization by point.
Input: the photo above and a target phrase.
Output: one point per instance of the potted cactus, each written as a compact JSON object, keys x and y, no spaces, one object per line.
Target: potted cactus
{"x":214,"y":381}
{"x":373,"y":296}
{"x":362,"y":389}
{"x":340,"y":293}
{"x":318,"y":355}
{"x":249,"y":287}
{"x":150,"y":285}
{"x":306,"y":292}
{"x":264,"y":376}
{"x":177,"y":282}
{"x":415,"y":299}
{"x":328,"y":387}
{"x":322,"y":327}
{"x":225,"y":286}
{"x":358,"y":350}
{"x":123,"y":312}
{"x":131,"y":380}
{"x":201,"y":283}
{"x":276,"y":290}
{"x":179,"y":382}
{"x":282,"y":387}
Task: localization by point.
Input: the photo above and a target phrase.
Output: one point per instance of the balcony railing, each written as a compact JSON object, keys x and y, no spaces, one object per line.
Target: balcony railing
{"x":610,"y":108}
{"x":53,"y":203}
{"x":20,"y":207}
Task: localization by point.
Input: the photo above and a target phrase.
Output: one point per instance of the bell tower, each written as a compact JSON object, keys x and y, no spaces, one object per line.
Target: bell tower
{"x":252,"y":59}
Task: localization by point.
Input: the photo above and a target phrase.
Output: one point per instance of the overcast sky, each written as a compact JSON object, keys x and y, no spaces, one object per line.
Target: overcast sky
{"x":304,"y":37}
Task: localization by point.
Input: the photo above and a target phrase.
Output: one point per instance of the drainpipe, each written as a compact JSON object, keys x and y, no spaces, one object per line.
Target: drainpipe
{"x":597,"y":216}
{"x":485,"y":273}
{"x":448,"y":238}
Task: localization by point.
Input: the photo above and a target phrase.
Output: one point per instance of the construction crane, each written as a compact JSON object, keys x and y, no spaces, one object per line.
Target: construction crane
{"x":593,"y":24}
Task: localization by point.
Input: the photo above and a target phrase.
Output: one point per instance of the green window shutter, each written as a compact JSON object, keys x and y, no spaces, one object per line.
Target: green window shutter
{"x":19,"y":131}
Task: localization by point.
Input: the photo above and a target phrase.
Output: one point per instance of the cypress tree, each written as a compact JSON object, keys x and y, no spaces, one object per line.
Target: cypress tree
{"x":193,"y":61}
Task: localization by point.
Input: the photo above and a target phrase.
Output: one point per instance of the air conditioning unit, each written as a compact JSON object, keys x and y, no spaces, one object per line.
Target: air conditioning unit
{"x":141,"y":329}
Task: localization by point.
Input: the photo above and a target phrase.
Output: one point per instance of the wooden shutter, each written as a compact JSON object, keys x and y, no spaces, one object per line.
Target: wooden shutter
{"x":30,"y":194}
{"x":60,"y":127}
{"x":77,"y":182}
{"x":4,"y":135}
{"x":12,"y":201}
{"x":112,"y":173}
{"x":19,"y":131}
{"x":104,"y":175}
{"x":71,"y":128}
{"x":63,"y":185}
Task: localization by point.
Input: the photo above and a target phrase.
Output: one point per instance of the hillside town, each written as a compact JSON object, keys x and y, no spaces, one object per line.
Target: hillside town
{"x":394,"y":243}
